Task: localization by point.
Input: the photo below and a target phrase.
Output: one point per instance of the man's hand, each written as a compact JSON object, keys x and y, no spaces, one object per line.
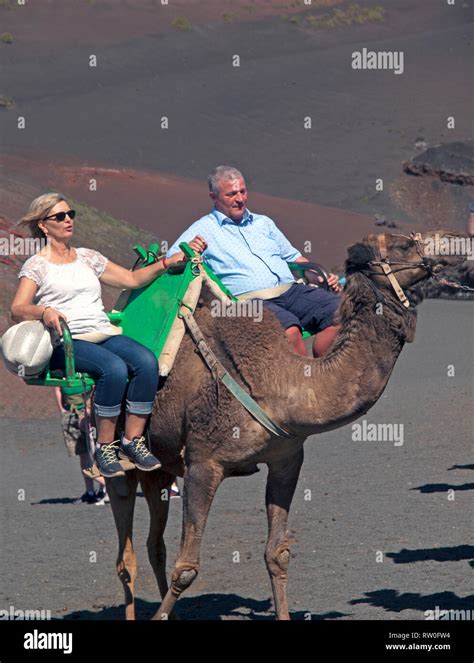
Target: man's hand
{"x":333,"y":282}
{"x":198,"y":244}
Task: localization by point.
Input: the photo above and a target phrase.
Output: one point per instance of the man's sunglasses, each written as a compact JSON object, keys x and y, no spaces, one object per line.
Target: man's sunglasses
{"x":60,"y":216}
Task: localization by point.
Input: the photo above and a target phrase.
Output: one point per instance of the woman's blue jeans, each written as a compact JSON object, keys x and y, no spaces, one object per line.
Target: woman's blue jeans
{"x":112,"y":363}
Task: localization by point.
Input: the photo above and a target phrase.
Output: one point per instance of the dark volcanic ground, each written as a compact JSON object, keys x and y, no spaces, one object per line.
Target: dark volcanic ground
{"x":364,"y":123}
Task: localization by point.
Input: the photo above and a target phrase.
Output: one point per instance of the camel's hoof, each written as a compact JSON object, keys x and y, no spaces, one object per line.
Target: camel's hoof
{"x":185,"y":578}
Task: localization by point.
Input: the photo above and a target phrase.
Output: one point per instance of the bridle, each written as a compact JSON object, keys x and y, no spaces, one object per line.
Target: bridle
{"x":385,"y":263}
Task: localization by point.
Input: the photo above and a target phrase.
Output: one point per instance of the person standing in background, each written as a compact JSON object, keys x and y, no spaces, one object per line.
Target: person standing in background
{"x":74,"y":424}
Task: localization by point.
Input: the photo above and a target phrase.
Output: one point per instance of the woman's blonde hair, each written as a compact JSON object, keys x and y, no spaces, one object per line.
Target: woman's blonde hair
{"x":39,"y":210}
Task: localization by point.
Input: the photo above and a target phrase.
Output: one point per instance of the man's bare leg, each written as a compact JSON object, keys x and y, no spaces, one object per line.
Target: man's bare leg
{"x":296,"y":340}
{"x":323,"y":341}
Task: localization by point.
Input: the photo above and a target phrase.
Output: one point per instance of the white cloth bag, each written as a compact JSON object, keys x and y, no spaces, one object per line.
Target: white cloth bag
{"x":27,"y":348}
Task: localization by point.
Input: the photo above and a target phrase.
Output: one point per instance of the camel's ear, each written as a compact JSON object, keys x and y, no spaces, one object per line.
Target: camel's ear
{"x":358,"y":255}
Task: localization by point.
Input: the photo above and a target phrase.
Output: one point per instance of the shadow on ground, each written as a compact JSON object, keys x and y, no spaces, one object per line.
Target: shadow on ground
{"x":65,"y":500}
{"x":57,"y":500}
{"x":208,"y":606}
{"x":391,"y":601}
{"x":448,"y":554}
{"x":442,"y":487}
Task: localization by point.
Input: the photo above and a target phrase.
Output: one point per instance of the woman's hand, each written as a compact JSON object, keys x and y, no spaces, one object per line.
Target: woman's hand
{"x":51,"y":319}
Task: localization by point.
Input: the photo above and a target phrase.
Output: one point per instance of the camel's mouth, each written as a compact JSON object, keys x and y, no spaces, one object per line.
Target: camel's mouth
{"x":447,"y":248}
{"x":399,"y":264}
{"x":431,"y":252}
{"x":440,"y":242}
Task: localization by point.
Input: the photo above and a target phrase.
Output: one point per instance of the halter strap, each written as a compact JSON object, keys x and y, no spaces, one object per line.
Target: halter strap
{"x":387,"y":270}
{"x":385,"y":264}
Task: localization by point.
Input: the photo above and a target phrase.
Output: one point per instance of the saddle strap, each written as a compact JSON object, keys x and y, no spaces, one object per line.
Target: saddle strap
{"x":219,"y":373}
{"x":266,"y":293}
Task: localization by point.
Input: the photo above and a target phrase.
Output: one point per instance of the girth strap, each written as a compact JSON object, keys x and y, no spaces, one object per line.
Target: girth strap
{"x":220,"y":373}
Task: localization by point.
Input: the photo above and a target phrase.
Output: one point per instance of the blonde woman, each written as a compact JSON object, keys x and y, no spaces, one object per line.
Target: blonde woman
{"x":63,"y":282}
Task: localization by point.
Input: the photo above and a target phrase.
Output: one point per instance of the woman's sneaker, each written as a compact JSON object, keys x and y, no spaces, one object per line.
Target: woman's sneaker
{"x":138,"y":453}
{"x":107,"y":460}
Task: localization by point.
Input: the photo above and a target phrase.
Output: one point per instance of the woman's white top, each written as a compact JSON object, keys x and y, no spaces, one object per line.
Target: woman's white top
{"x":73,"y":289}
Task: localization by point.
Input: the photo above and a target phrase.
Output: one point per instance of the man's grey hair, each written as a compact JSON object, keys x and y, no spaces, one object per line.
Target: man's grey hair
{"x":220,"y":173}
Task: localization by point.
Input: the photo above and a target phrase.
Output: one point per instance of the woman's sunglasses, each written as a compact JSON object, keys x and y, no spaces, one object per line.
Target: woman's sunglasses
{"x":60,"y":216}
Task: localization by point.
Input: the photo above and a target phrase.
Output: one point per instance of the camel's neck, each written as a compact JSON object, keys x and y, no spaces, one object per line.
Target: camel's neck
{"x":330,"y":392}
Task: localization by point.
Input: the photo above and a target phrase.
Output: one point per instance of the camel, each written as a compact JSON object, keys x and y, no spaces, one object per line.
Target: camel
{"x":195,"y":419}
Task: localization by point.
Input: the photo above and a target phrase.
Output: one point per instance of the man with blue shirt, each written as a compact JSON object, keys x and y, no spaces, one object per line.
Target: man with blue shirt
{"x":250,"y":255}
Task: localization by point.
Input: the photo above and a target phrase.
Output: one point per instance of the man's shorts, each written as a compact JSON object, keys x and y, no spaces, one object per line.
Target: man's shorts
{"x":305,"y":307}
{"x":74,"y":438}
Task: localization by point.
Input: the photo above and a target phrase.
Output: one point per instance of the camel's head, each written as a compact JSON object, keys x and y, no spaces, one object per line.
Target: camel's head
{"x":401,"y":261}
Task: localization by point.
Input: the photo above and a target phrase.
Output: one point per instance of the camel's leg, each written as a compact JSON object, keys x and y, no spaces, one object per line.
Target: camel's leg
{"x":122,"y":507}
{"x":155,"y":487}
{"x":200,"y":484}
{"x":281,"y":484}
